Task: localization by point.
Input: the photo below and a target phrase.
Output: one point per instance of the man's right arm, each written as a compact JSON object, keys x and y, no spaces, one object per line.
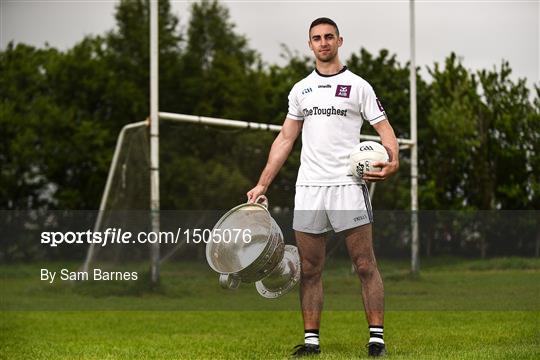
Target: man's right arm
{"x":281,"y":148}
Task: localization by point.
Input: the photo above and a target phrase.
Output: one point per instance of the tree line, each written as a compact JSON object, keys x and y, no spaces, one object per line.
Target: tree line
{"x":61,"y":113}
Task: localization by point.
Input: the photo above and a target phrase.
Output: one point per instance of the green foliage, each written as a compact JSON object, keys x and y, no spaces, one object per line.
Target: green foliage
{"x":54,"y":154}
{"x":204,"y":185}
{"x":221,"y":78}
{"x":61,"y":112}
{"x":483,"y":140}
{"x":511,"y":129}
{"x":128,"y":57}
{"x":452,"y":98}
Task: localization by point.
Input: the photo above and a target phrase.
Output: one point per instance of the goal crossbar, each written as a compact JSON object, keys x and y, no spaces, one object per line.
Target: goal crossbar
{"x":404,"y":143}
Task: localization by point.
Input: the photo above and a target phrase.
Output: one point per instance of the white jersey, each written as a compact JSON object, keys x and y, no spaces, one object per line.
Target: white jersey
{"x":333,"y":108}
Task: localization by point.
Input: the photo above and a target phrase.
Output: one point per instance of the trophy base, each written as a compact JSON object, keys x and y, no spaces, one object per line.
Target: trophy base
{"x":268,"y":288}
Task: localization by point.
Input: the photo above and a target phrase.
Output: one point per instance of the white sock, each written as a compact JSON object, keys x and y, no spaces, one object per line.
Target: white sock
{"x":311,"y":336}
{"x":376,"y":334}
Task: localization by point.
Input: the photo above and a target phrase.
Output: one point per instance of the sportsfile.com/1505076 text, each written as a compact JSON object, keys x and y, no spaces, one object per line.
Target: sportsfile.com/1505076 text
{"x":119,"y":236}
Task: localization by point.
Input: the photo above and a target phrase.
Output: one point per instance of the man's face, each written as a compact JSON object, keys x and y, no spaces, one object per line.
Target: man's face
{"x":324,"y":42}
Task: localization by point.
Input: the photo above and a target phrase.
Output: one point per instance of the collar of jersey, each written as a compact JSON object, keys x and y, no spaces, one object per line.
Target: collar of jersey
{"x":343,"y":69}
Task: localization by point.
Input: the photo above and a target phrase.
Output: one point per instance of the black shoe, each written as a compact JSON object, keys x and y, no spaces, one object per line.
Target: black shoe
{"x":306,"y":350}
{"x":376,"y":349}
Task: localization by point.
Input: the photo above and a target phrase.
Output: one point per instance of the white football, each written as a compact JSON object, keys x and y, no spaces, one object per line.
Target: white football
{"x":363,"y":155}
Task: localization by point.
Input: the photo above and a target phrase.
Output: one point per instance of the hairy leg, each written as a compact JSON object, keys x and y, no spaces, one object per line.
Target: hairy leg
{"x":360,"y":246}
{"x":312,"y":250}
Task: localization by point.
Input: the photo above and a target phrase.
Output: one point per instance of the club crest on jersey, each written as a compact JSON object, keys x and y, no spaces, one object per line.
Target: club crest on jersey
{"x":306,"y":91}
{"x":343,"y":91}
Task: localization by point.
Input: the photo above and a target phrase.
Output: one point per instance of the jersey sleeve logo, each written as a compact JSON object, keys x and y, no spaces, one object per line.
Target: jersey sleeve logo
{"x":343,"y":91}
{"x":380,"y":105}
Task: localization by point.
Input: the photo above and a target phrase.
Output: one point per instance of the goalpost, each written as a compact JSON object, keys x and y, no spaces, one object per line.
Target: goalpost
{"x":153,"y":123}
{"x":415,"y":244}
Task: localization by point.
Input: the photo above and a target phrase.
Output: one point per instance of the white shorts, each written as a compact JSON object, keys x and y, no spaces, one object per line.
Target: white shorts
{"x":319,"y":209}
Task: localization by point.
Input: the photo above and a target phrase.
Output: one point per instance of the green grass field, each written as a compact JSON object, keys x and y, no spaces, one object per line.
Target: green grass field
{"x":456,"y":309}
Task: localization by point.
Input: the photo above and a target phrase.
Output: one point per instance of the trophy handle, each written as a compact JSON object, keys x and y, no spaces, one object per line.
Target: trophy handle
{"x":229,"y":281}
{"x":263,"y":200}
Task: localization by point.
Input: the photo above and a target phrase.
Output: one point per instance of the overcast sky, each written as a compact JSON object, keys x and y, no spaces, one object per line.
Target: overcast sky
{"x":481,"y":32}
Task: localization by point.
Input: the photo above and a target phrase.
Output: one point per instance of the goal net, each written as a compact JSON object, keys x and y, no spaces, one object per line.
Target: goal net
{"x":124,"y":202}
{"x":202,"y":172}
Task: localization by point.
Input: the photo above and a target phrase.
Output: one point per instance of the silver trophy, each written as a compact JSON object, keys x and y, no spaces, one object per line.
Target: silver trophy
{"x":261,"y":257}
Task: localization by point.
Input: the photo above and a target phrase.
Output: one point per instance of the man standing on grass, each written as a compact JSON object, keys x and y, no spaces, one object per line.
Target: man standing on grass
{"x":329,"y":107}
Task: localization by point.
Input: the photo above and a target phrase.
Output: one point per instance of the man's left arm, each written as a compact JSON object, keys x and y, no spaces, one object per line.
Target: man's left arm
{"x":389,"y":141}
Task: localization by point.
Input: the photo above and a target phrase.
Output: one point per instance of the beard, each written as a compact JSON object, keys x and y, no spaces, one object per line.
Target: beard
{"x":327,"y":57}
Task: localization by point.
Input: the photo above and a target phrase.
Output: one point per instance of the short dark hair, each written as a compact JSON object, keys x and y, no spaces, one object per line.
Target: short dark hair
{"x":324,"y":20}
